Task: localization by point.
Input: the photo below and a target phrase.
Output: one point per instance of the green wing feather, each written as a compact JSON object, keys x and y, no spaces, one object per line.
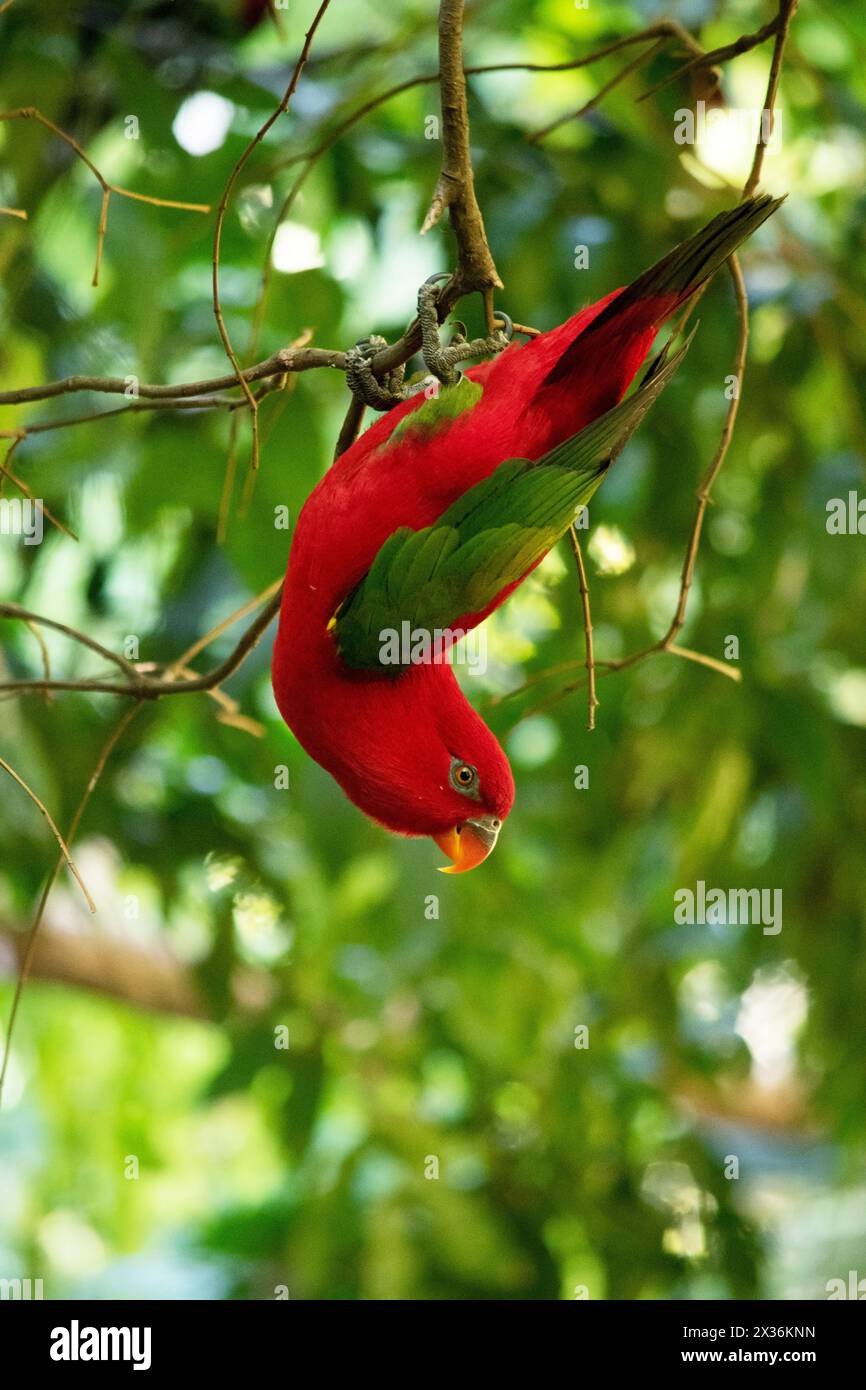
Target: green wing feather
{"x":489,"y":538}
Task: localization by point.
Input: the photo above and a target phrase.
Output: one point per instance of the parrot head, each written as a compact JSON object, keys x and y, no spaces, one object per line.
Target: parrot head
{"x":417,"y":758}
{"x":448,"y":775}
{"x":474,"y":798}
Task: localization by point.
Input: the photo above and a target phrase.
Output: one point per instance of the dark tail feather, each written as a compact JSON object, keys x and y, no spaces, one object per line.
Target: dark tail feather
{"x":683,"y":270}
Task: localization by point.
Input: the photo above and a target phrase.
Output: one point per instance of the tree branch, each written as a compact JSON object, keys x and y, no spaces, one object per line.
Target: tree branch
{"x":475,"y":271}
{"x":32,"y":113}
{"x":787,"y":10}
{"x":455,"y":188}
{"x":744,"y":44}
{"x":288,"y":360}
{"x":139,"y":685}
{"x":14,"y":610}
{"x":667,"y":643}
{"x":592,"y":701}
{"x":40,"y":806}
{"x":632,"y":66}
{"x":28,"y":951}
{"x":220,"y":217}
{"x":285,"y":360}
{"x":146,"y":978}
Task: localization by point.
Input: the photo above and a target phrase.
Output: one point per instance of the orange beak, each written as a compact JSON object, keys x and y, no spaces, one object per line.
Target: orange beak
{"x":469,"y":844}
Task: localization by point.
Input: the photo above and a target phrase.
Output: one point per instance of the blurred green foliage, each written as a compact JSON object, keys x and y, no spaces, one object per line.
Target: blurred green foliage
{"x":425,"y":1040}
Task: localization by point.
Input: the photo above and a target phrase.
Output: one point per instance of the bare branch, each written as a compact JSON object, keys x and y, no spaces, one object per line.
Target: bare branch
{"x":787,"y":10}
{"x":733,"y":673}
{"x":43,"y":652}
{"x":199,"y":645}
{"x":285,"y":360}
{"x":13,"y":610}
{"x":351,"y":426}
{"x":141,"y":686}
{"x":744,"y":44}
{"x":6,"y":472}
{"x":718,"y":459}
{"x":40,"y":805}
{"x":455,"y":189}
{"x":32,"y":113}
{"x":221,"y":212}
{"x":27,"y":954}
{"x":538,"y":135}
{"x":428,"y":79}
{"x":667,"y":643}
{"x":147,"y":977}
{"x":587,"y":628}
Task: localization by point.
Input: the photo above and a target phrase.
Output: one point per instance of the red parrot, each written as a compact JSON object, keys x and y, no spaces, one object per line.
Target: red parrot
{"x":434,"y":516}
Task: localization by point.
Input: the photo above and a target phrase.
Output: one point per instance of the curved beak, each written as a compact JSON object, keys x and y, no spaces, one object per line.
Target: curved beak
{"x":468,"y":844}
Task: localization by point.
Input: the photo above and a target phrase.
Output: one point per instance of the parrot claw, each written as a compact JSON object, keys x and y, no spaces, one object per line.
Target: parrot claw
{"x":441,"y":361}
{"x":362,"y":381}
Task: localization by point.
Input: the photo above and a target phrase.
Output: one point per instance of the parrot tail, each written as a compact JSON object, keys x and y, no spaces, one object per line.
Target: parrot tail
{"x":623,"y":331}
{"x":682,"y":271}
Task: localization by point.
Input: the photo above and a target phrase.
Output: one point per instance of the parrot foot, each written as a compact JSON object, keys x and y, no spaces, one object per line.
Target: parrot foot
{"x":441,"y":360}
{"x":364,"y":384}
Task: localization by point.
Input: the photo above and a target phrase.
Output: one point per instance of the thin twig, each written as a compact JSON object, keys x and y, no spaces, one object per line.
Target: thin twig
{"x":283,"y":106}
{"x":249,"y":607}
{"x":30,"y":947}
{"x":667,"y":643}
{"x":228,"y":481}
{"x":733,"y":673}
{"x":787,"y":10}
{"x":592,"y":701}
{"x":32,"y":113}
{"x":715,"y":56}
{"x":141,"y":686}
{"x":231,"y":403}
{"x":718,"y":459}
{"x":351,"y":426}
{"x":284,"y":382}
{"x":40,"y":805}
{"x":429,"y":79}
{"x":17,"y":437}
{"x":43,"y":652}
{"x":285,"y":360}
{"x":6,"y":472}
{"x":14,"y":610}
{"x":536,"y":136}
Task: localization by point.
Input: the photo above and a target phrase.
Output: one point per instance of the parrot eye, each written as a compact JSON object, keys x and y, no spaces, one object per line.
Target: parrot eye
{"x":464,"y":777}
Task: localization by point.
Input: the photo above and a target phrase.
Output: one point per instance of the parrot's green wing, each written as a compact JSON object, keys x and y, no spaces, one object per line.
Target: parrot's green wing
{"x":486,"y":541}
